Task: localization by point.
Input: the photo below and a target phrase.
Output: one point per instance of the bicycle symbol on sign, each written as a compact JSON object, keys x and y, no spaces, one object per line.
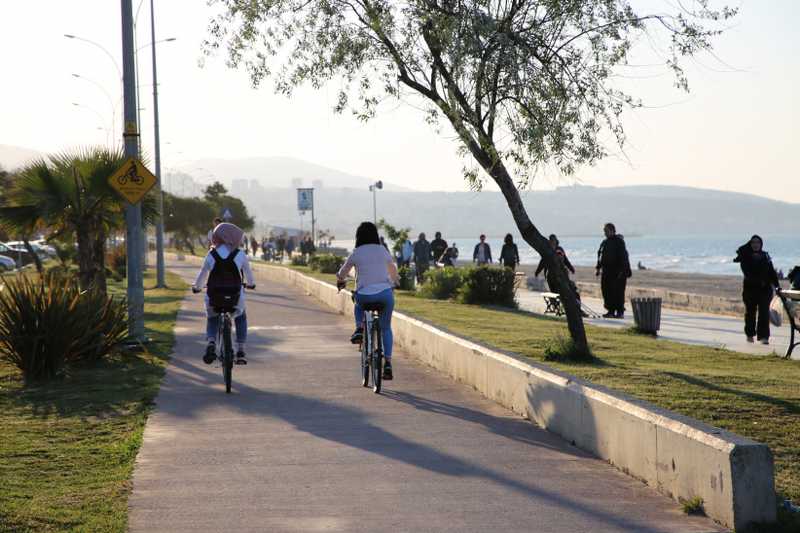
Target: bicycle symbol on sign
{"x":131,"y":175}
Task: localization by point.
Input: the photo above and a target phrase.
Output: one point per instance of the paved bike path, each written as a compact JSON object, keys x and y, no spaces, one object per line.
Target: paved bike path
{"x":300,"y":446}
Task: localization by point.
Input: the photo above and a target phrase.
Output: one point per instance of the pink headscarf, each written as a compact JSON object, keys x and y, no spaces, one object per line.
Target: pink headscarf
{"x":227,"y":233}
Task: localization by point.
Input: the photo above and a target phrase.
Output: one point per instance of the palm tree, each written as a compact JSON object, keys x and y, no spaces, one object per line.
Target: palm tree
{"x":68,"y":195}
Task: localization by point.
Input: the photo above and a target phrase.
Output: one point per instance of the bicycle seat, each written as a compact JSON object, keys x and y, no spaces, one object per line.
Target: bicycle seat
{"x":374,"y":306}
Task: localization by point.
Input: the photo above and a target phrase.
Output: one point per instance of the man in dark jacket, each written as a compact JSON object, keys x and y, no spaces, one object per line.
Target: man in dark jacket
{"x":422,"y":256}
{"x":615,"y":267}
{"x":482,"y":253}
{"x":438,"y":246}
{"x":759,"y":279}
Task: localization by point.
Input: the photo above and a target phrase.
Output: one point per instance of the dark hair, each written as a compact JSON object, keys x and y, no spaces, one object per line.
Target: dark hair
{"x":367,"y":233}
{"x":757,"y":237}
{"x":438,"y":234}
{"x":553,"y":237}
{"x":610,"y":226}
{"x":217,"y":221}
{"x":509,"y":239}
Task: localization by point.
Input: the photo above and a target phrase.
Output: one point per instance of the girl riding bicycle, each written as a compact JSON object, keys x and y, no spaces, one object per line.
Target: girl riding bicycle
{"x":223,"y":266}
{"x":376,"y":276}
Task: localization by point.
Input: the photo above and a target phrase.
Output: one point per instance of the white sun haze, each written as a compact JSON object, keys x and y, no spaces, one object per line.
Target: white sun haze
{"x":735,"y":130}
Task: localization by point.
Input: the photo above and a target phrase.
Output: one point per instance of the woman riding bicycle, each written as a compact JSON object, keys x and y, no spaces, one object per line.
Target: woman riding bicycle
{"x":376,"y":276}
{"x":224,"y":265}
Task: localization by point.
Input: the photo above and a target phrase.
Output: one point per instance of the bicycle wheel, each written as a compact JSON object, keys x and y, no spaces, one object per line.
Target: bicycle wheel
{"x":227,"y":354}
{"x":365,"y":351}
{"x":377,"y":357}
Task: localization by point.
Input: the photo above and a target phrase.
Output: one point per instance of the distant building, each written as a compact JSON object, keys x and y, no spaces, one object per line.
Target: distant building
{"x":240,"y":187}
{"x":255,"y":187}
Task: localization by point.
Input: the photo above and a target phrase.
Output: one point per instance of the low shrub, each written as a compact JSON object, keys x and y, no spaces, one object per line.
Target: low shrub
{"x":48,"y":323}
{"x":407,"y":279}
{"x":442,"y":283}
{"x":564,"y":350}
{"x":117,"y":260}
{"x":66,"y":253}
{"x":299,"y":260}
{"x":489,"y":285}
{"x":326,"y":263}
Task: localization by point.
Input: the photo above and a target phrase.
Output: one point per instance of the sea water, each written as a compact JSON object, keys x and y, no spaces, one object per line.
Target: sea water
{"x":706,"y":254}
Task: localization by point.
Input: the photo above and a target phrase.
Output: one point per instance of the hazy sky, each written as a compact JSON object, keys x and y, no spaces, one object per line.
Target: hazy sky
{"x":735,"y":131}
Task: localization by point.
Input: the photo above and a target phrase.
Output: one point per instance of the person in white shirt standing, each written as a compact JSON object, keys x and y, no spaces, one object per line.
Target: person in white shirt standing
{"x":222,"y":270}
{"x":376,"y":276}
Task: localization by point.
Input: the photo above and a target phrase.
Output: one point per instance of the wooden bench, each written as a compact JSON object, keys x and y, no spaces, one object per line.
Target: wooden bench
{"x":791,"y":299}
{"x":552,"y":303}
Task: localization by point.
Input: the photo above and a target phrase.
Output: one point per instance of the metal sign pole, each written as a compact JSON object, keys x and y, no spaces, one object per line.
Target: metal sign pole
{"x":133,"y":212}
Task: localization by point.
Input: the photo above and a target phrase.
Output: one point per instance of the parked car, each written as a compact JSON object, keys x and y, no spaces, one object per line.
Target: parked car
{"x":20,"y":256}
{"x":46,"y":248}
{"x":38,"y":248}
{"x":6,"y":263}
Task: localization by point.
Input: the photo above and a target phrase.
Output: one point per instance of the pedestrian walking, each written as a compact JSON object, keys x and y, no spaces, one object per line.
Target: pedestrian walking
{"x":210,"y":242}
{"x":406,"y":253}
{"x":757,"y":288}
{"x":422,"y":256}
{"x":482,"y":254}
{"x":290,"y":245}
{"x":449,"y":256}
{"x":613,"y":265}
{"x":254,"y":245}
{"x":438,"y":246}
{"x":509,"y":254}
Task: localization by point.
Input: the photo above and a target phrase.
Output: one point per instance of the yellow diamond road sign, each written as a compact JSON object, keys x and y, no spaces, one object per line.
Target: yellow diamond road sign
{"x":132,"y":180}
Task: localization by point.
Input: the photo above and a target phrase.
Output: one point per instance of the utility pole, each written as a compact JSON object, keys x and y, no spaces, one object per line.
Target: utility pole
{"x":160,"y":277}
{"x":133,"y":212}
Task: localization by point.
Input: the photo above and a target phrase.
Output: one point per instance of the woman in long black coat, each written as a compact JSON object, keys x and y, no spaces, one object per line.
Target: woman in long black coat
{"x":757,"y":288}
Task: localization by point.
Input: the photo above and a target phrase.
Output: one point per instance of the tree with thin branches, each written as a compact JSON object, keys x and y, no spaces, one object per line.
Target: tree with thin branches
{"x":526,"y":85}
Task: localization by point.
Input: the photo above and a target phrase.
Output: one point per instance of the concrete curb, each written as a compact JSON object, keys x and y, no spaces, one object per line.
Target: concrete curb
{"x":678,"y":456}
{"x":674,"y":299}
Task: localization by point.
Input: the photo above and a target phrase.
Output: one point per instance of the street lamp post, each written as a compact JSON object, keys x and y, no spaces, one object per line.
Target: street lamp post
{"x":374,"y":188}
{"x":113,"y":60}
{"x":160,"y":276}
{"x":110,"y":101}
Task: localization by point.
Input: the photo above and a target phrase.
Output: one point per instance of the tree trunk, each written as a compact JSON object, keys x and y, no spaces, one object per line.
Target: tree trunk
{"x":36,"y":259}
{"x":85,"y":263}
{"x":497,"y":170}
{"x":99,"y":259}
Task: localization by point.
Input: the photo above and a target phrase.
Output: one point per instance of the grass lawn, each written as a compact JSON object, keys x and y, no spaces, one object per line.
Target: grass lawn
{"x":67,"y":448}
{"x":754,"y":396}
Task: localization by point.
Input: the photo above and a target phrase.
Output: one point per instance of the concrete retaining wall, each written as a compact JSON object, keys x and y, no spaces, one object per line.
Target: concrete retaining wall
{"x":675,"y":299}
{"x":677,"y":455}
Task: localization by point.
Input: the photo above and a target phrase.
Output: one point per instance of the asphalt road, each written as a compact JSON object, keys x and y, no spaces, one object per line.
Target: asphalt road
{"x":301,"y":446}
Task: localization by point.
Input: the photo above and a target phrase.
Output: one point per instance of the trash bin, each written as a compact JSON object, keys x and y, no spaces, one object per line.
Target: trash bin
{"x":647,"y":314}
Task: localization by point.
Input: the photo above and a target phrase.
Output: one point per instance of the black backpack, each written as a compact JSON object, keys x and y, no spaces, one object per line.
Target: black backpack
{"x":224,"y":283}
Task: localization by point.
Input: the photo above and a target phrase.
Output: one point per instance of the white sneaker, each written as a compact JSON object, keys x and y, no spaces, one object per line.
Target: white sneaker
{"x":750,"y":340}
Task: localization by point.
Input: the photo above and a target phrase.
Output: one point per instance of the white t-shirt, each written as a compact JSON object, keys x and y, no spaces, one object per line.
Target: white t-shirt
{"x":372,"y":268}
{"x":208,"y":265}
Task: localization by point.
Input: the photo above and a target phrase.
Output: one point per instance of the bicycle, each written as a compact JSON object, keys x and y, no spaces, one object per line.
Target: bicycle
{"x":224,"y":344}
{"x":371,"y":346}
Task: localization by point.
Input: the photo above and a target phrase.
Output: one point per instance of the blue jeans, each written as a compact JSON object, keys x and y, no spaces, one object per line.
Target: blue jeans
{"x":212,"y":327}
{"x":385,"y":297}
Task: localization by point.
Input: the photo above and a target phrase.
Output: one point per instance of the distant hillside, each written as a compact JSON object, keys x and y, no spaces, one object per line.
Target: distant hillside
{"x":276,"y":172}
{"x":12,"y":157}
{"x":644,"y":210}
